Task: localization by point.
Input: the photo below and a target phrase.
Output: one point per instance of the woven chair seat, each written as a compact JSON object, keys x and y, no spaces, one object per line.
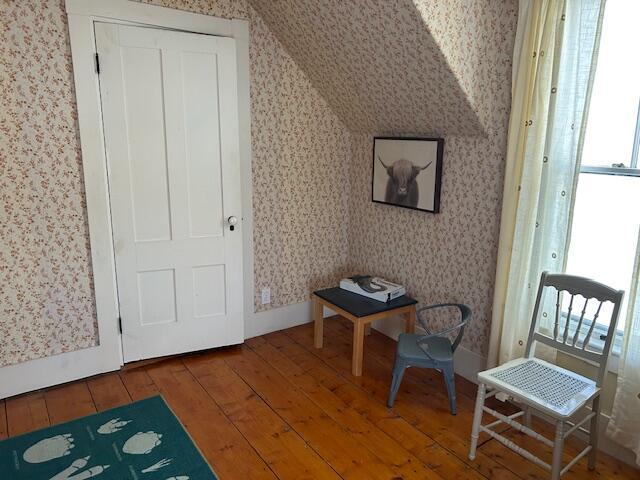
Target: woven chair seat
{"x":542,"y":385}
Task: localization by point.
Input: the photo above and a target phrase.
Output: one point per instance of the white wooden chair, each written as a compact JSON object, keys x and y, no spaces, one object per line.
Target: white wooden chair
{"x":556,"y":392}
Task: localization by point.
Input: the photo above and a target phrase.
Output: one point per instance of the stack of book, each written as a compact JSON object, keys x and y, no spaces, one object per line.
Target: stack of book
{"x":373,"y":287}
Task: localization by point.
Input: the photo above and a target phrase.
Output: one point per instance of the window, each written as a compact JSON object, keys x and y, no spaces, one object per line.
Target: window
{"x":606,"y":217}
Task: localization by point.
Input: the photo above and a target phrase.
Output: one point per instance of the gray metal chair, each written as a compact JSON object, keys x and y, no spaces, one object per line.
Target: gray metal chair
{"x":432,"y":350}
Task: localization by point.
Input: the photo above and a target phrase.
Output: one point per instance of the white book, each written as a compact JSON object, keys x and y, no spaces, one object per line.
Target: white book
{"x":373,"y":287}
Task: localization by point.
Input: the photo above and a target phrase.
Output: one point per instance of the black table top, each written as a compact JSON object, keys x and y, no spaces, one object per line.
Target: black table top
{"x":359,"y":305}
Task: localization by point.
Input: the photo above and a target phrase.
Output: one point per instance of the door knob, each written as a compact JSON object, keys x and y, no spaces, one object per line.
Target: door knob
{"x":232,"y":221}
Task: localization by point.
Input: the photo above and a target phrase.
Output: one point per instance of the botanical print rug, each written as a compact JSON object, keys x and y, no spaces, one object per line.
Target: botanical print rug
{"x":140,"y":441}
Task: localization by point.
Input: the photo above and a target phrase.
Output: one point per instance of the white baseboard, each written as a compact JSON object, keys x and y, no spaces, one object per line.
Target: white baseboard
{"x":468,"y":364}
{"x":261,"y":323}
{"x":55,"y":370}
{"x":268,"y":321}
{"x":66,"y":367}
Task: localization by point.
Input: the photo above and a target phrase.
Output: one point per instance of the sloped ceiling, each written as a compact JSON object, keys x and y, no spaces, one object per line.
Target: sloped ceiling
{"x":387,"y":65}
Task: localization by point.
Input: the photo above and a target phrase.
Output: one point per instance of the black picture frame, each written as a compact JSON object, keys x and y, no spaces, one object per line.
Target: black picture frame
{"x":402,"y":181}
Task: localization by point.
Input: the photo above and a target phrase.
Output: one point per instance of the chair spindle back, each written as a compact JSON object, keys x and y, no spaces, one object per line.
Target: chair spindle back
{"x":577,"y":343}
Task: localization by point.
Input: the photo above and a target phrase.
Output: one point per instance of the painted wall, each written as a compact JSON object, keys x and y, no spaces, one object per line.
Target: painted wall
{"x":46,"y":297}
{"x":448,"y":257}
{"x":300,"y":160}
{"x":417,"y":67}
{"x":423,"y":67}
{"x":376,"y":62}
{"x":451,"y":256}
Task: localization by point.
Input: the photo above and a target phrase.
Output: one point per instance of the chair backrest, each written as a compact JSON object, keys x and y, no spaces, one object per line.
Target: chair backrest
{"x":465,"y":315}
{"x":576,"y":342}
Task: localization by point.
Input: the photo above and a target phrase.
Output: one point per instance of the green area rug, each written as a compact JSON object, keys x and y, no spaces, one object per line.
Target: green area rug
{"x":140,"y":441}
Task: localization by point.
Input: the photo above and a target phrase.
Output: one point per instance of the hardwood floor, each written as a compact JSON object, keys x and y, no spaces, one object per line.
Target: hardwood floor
{"x":278,"y":408}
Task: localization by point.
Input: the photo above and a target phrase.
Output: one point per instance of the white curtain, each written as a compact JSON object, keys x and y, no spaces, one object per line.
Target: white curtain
{"x":624,"y":425}
{"x":554,"y":62}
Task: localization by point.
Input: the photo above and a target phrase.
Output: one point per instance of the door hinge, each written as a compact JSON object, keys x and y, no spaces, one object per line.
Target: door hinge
{"x":97,"y":64}
{"x":120,"y":325}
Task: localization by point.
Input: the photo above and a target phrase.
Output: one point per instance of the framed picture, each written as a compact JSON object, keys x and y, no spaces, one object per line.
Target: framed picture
{"x":407,"y":172}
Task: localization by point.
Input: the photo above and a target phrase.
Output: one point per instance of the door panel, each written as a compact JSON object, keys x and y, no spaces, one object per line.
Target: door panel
{"x":205,"y":281}
{"x":203,"y":144}
{"x":147,"y":162}
{"x":170,"y":114}
{"x":157,"y":294}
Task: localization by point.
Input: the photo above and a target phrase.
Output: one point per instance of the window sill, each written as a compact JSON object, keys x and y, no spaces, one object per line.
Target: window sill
{"x":626,"y":172}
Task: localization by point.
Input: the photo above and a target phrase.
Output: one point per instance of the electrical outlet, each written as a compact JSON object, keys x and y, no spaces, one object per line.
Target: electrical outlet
{"x":266,"y":295}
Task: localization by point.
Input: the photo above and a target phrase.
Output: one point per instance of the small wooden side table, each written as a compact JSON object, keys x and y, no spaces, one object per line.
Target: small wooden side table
{"x":361,"y":311}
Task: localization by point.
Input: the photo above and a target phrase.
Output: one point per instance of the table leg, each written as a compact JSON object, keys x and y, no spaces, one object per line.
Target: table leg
{"x":317,"y":321}
{"x":367,"y":329}
{"x":358,"y":348}
{"x":410,"y":320}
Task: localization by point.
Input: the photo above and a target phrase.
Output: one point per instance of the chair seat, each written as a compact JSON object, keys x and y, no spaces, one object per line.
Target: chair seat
{"x":542,"y":385}
{"x":439,"y":348}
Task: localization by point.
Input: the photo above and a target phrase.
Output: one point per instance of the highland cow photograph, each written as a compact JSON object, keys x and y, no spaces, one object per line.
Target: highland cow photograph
{"x":407,"y":172}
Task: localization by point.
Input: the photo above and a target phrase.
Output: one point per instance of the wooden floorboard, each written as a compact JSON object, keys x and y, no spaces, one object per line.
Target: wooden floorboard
{"x":108,"y":391}
{"x":4,"y":430}
{"x":138,"y":384}
{"x":358,"y":400}
{"x":26,"y":413}
{"x":460,"y":425}
{"x":69,"y":402}
{"x":426,"y":410}
{"x":365,"y":431}
{"x":608,"y":468}
{"x":364,"y":426}
{"x":330,"y":439}
{"x":217,"y":438}
{"x":288,"y":455}
{"x":277,"y":407}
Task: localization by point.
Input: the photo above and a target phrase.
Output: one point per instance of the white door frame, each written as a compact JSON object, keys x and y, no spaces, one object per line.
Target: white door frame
{"x":107,"y":356}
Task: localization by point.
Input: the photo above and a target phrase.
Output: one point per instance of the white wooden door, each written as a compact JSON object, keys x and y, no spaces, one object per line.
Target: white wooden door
{"x":169,"y":104}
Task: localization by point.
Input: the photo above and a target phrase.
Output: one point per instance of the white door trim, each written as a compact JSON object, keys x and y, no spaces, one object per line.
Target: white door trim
{"x":107,"y":356}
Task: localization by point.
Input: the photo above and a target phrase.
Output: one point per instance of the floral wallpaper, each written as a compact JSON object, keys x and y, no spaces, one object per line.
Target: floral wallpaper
{"x":417,"y":67}
{"x":376,"y":62}
{"x":450,"y":256}
{"x":476,"y":38}
{"x":301,"y":154}
{"x":46,"y":298}
{"x":300,"y":160}
{"x":325,"y":77}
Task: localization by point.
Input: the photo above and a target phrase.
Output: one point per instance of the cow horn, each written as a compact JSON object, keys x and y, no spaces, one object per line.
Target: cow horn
{"x":383,"y":164}
{"x":426,"y":166}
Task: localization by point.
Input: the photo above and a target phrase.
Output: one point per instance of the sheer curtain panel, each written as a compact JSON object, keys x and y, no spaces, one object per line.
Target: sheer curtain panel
{"x":554,"y":62}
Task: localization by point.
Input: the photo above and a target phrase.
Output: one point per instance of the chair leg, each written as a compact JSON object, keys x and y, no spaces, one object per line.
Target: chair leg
{"x":477,"y":418}
{"x":527,"y":416}
{"x":593,"y":433}
{"x":449,"y":380}
{"x":396,"y":379}
{"x":558,"y":447}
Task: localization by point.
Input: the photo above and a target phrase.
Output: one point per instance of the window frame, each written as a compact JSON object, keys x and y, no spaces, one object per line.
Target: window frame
{"x":632,"y":171}
{"x":620,"y":168}
{"x":618,"y":171}
{"x":636,"y":142}
{"x":599,"y":331}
